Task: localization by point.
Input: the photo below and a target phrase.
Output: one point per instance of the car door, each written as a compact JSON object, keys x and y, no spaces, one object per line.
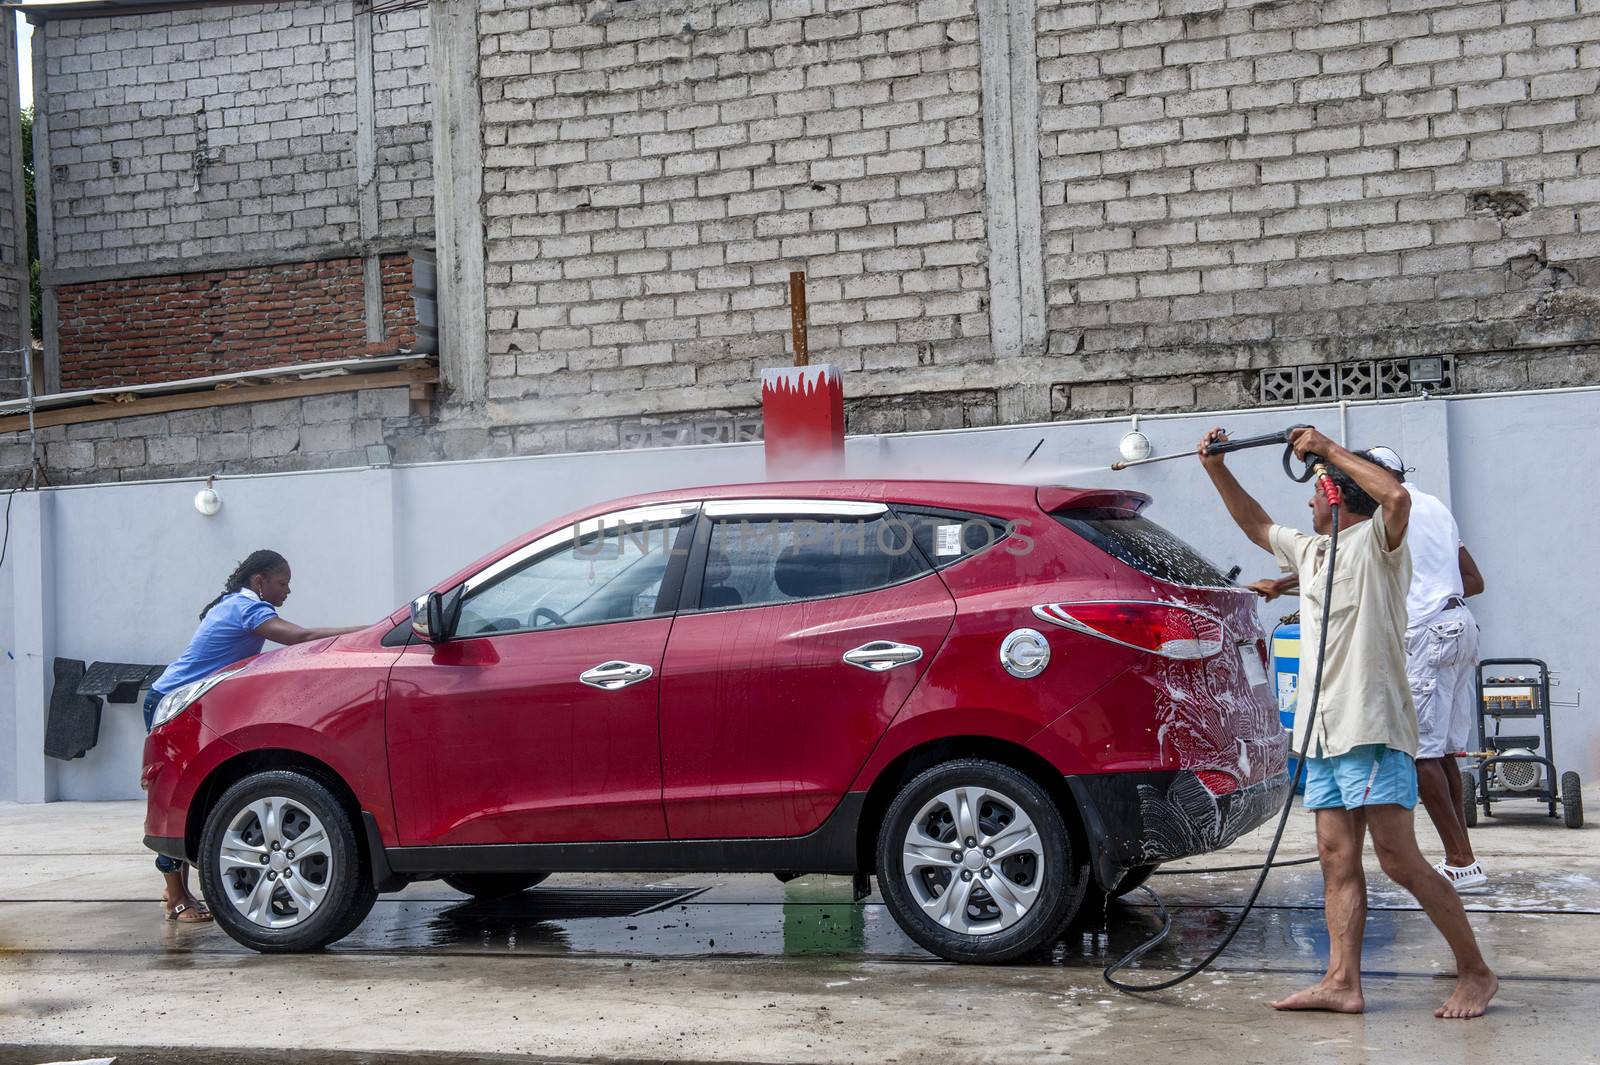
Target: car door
{"x":535,"y":721}
{"x":805,"y":625}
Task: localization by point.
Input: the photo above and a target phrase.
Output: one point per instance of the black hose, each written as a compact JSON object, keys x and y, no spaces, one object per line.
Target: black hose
{"x":1235,"y":868}
{"x":1277,"y":837}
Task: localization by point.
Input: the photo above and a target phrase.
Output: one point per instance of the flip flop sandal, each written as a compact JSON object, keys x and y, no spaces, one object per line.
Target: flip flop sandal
{"x":177,"y":914}
{"x":1464,"y":877}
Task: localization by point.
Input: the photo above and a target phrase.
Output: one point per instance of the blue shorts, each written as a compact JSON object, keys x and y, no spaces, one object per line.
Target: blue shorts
{"x":1370,"y":775}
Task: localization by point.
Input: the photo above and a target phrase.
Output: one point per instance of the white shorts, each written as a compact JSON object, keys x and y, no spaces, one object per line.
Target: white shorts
{"x":1441,"y":666}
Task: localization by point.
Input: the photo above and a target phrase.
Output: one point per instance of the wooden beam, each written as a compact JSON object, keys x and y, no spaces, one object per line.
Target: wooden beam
{"x":219,"y":397}
{"x":798,"y":318}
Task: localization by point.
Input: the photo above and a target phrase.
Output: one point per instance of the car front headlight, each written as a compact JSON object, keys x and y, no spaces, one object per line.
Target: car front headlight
{"x":178,"y":700}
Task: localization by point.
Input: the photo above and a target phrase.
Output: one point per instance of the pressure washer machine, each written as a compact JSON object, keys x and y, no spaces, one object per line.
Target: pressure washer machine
{"x":1517,"y":766}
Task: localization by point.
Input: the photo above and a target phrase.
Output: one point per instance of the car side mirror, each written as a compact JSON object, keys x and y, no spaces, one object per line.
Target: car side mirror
{"x":427,"y":618}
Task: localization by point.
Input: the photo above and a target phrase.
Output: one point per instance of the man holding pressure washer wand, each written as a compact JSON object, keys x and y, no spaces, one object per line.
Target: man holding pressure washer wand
{"x":1441,"y":663}
{"x":1360,"y":770}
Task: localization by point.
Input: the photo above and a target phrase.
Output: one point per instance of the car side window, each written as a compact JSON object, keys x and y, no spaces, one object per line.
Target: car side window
{"x":753,"y":561}
{"x":613,"y":574}
{"x":945,"y":537}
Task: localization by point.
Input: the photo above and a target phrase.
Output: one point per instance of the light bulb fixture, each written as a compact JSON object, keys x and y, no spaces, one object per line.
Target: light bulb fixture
{"x":1134,"y":447}
{"x":206,"y":501}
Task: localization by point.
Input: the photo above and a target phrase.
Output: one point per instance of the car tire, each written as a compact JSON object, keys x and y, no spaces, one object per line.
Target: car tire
{"x":1026,"y":867}
{"x":259,"y":890}
{"x":494,"y":885}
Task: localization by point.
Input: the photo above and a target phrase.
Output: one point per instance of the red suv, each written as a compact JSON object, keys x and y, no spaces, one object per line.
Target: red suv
{"x":998,"y":699}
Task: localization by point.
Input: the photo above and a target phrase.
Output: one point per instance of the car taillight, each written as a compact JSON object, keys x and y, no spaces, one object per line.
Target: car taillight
{"x":1165,"y":629}
{"x":1218,"y":782}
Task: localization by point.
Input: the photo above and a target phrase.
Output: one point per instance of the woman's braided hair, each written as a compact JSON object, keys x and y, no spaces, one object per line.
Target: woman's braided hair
{"x":258,"y":563}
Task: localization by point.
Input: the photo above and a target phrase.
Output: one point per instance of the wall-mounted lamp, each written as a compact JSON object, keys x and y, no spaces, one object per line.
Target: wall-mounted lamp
{"x":206,"y":501}
{"x":1426,"y":372}
{"x":1134,"y":447}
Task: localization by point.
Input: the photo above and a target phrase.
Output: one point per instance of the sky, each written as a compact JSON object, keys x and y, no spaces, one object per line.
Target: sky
{"x":25,"y":58}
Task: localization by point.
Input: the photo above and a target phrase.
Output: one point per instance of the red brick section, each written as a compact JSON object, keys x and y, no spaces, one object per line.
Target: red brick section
{"x":399,"y":314}
{"x":177,"y":326}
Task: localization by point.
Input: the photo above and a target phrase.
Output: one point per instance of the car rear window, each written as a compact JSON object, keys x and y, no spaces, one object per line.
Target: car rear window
{"x":1144,"y":545}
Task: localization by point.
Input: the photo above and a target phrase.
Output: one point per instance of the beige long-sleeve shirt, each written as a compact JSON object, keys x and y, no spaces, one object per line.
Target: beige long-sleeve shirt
{"x":1365,"y":698}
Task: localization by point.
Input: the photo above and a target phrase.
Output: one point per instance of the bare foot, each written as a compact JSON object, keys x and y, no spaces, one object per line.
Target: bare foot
{"x":1471,"y":997}
{"x":1330,"y":998}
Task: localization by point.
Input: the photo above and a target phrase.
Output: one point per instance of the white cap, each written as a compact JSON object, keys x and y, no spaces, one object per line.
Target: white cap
{"x":1386,"y":457}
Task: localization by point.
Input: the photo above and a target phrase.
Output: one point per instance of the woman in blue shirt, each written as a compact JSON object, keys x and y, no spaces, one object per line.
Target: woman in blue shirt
{"x":233,"y":626}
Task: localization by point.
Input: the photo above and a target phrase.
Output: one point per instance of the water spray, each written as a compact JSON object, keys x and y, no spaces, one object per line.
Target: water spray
{"x":1314,"y":467}
{"x":1222,"y":447}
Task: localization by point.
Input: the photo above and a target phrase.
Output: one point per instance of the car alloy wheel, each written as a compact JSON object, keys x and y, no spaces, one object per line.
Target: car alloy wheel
{"x":281,"y":864}
{"x":973,"y":860}
{"x":276,"y":862}
{"x":975,"y":863}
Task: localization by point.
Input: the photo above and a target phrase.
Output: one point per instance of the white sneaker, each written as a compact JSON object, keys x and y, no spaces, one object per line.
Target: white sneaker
{"x":1465,"y":877}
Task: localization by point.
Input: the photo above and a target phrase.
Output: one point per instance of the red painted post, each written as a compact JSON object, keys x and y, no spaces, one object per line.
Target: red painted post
{"x":802,"y":407}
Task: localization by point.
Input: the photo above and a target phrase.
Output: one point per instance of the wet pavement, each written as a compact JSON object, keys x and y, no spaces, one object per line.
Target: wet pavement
{"x":743,"y":968}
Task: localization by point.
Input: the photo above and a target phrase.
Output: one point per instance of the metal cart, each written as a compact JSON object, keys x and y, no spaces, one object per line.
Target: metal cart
{"x":1518,"y":766}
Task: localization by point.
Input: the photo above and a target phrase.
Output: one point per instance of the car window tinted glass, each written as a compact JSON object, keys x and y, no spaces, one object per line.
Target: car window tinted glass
{"x":609,"y":577}
{"x":753,"y":561}
{"x":944,"y":537}
{"x":1144,"y":545}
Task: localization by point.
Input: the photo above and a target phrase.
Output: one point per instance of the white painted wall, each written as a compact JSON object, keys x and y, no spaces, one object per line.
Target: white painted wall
{"x":119,"y":572}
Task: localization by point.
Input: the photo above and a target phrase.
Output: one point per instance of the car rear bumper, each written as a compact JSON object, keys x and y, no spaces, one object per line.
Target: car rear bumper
{"x":1135,"y":819}
{"x":168,"y":846}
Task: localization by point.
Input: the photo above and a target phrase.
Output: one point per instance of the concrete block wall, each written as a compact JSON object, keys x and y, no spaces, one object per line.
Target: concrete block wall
{"x":403,"y":111}
{"x":221,"y":130}
{"x":315,"y":432}
{"x":653,"y":171}
{"x":1229,"y":185}
{"x":246,"y":143}
{"x":14,"y":303}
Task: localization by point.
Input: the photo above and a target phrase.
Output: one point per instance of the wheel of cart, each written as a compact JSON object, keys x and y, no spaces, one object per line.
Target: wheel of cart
{"x":1519,"y":765}
{"x":1572,"y":799}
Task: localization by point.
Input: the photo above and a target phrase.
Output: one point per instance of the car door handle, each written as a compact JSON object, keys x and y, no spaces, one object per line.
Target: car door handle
{"x":880,"y":655}
{"x":613,"y":675}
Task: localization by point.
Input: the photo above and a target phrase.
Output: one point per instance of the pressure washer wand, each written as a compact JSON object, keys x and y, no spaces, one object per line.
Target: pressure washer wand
{"x":1222,"y":447}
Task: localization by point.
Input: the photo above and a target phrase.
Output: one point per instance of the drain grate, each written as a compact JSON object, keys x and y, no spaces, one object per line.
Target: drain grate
{"x":568,"y":904}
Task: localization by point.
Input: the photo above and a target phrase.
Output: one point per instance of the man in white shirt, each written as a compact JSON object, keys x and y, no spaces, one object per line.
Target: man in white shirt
{"x":1441,"y":663}
{"x":1360,"y":775}
{"x":1441,"y":644}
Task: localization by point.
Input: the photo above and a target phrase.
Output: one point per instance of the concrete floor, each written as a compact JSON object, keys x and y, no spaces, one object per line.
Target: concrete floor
{"x":744,"y":969}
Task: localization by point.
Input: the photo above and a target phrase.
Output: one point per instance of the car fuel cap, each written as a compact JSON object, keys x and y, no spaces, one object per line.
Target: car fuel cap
{"x":1024,"y":653}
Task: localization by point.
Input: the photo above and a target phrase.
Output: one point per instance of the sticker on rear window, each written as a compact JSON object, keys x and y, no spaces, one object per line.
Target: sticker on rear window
{"x":947,"y":540}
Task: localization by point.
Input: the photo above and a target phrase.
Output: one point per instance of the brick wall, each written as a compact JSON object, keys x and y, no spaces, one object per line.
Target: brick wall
{"x":653,"y":172}
{"x":189,"y":325}
{"x":1235,"y":185}
{"x":228,"y":129}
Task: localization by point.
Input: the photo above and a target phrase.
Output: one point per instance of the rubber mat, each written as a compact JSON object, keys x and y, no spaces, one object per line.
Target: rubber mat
{"x":118,"y":682}
{"x":73,"y":727}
